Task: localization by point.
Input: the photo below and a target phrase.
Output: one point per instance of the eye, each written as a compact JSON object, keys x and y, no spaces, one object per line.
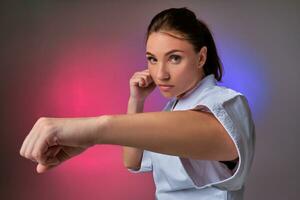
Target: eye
{"x":151,"y":59}
{"x":175,"y":59}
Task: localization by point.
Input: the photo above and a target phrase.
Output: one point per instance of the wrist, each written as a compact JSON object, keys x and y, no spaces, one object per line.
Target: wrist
{"x":136,"y":101}
{"x":101,"y":129}
{"x":135,"y":106}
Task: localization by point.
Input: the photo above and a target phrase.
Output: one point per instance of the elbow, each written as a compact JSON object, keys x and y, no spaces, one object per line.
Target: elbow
{"x":132,"y":158}
{"x":131,"y":166}
{"x":229,"y":148}
{"x":233,"y":156}
{"x":135,"y":168}
{"x":231,"y":152}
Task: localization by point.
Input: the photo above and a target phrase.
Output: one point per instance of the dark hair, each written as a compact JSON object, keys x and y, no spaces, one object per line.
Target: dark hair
{"x":185,"y":22}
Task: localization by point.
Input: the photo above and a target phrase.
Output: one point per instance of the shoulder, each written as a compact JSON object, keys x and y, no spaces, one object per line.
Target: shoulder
{"x":220,"y":94}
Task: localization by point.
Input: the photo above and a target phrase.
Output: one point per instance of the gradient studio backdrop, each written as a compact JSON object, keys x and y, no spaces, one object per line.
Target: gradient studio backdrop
{"x":75,"y":58}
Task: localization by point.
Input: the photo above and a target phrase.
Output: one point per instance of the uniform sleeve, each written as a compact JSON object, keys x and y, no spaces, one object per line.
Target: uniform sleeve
{"x":235,"y":116}
{"x":146,"y":164}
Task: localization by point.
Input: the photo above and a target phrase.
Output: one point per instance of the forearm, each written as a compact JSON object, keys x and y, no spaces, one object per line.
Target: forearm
{"x":135,"y":106}
{"x":190,"y":134}
{"x":131,"y":155}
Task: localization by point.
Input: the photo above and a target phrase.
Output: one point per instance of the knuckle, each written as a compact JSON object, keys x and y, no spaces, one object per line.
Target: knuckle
{"x":37,"y":155}
{"x":132,"y":82}
{"x":21,"y":152}
{"x":135,"y":76}
{"x":27,"y":155}
{"x":41,"y":119}
{"x":34,"y":156}
{"x":42,"y":122}
{"x":47,"y":126}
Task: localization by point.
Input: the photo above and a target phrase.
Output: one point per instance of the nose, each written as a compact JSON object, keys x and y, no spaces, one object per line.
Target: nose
{"x":162,"y":73}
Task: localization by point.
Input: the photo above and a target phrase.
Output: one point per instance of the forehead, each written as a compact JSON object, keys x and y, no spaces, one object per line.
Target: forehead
{"x":160,"y":42}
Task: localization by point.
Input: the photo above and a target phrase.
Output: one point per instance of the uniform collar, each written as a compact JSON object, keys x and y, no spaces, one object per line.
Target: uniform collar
{"x":207,"y":81}
{"x":191,"y":95}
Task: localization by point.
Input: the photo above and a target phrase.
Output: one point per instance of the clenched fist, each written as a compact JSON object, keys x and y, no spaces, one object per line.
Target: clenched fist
{"x":141,"y":85}
{"x":54,"y":140}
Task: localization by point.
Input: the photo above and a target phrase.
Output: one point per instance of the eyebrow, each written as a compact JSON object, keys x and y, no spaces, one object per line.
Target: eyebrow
{"x":169,"y":52}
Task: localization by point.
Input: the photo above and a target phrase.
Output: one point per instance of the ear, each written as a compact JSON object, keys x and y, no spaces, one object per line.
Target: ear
{"x":202,"y":55}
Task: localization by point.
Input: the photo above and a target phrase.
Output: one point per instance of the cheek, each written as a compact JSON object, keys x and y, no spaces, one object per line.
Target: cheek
{"x":181,"y":73}
{"x":183,"y":76}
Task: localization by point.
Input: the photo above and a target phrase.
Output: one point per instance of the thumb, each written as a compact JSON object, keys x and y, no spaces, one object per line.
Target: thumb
{"x":41,"y":168}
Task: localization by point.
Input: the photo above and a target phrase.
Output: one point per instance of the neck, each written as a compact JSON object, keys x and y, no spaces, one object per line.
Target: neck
{"x":194,"y":85}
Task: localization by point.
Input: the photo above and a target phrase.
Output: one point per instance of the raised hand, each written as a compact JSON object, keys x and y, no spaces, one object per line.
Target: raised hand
{"x":141,"y":85}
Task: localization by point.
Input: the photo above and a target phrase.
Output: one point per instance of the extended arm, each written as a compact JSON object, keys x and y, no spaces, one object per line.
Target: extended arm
{"x":192,"y":134}
{"x":189,"y":133}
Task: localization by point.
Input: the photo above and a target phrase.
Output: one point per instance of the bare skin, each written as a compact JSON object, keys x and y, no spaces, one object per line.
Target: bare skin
{"x":54,"y":140}
{"x":141,"y":85}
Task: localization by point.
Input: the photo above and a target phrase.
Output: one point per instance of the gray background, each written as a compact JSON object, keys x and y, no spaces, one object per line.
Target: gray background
{"x":269,"y":28}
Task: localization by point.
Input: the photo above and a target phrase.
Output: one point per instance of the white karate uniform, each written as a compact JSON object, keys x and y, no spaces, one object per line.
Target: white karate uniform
{"x":179,"y":178}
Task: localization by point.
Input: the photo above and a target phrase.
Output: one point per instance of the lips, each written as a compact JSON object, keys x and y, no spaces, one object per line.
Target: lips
{"x":165,"y":87}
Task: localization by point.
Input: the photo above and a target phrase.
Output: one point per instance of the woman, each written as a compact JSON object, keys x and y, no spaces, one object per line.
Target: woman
{"x":201,"y":145}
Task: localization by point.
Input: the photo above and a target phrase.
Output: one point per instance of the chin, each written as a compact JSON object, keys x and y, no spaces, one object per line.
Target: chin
{"x":167,"y":95}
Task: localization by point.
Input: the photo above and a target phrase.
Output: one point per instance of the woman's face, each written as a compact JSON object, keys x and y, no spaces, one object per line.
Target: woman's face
{"x":172,"y":61}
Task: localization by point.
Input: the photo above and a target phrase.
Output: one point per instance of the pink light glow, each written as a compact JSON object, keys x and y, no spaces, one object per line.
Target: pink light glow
{"x":80,"y":85}
{"x":88,"y":79}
